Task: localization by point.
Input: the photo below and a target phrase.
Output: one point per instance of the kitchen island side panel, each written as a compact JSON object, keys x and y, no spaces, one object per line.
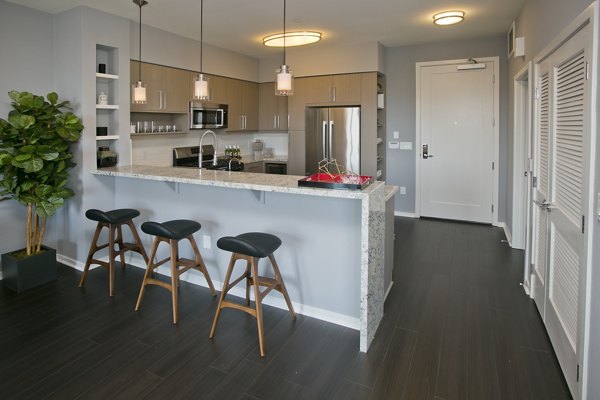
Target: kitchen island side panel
{"x":320,"y":258}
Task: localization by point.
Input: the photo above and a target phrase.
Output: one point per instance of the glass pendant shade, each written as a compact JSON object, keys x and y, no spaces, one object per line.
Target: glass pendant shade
{"x":138,"y":93}
{"x":284,"y":81}
{"x":200,"y":87}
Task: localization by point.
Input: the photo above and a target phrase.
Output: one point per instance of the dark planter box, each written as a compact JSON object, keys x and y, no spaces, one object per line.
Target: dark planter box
{"x":25,"y":273}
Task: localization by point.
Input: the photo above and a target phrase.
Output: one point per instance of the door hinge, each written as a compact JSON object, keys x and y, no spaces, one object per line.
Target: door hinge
{"x":492,"y":165}
{"x":492,"y":208}
{"x":587,"y":70}
{"x":583,"y":224}
{"x":534,"y":182}
{"x":577,"y":372}
{"x":537,"y":93}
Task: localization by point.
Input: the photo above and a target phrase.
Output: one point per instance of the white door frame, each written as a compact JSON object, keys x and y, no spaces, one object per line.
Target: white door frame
{"x":496,"y":131}
{"x":522,"y":153}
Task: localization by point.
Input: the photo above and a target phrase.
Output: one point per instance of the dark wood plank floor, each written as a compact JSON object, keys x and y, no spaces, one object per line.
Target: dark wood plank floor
{"x":457,"y":326}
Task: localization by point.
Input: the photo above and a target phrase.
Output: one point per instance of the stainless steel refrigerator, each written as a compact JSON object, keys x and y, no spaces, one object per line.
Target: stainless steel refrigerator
{"x":333,"y":133}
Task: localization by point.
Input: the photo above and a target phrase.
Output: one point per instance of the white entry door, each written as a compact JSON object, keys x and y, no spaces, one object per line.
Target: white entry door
{"x":563,"y":142}
{"x":456,"y":149}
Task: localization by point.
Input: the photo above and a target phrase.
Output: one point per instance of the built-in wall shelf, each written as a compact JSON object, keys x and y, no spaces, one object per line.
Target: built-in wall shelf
{"x":108,"y":137}
{"x":107,"y":77}
{"x":158,"y":134}
{"x":107,"y":106}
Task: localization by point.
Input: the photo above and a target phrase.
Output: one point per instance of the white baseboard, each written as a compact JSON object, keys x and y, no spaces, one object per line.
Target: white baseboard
{"x":389,"y":289}
{"x":274,"y":300}
{"x":405,"y":214}
{"x":506,"y":231}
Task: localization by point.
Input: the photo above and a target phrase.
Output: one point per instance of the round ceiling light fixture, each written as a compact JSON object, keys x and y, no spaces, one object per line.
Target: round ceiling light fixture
{"x":292,"y":39}
{"x":448,"y":17}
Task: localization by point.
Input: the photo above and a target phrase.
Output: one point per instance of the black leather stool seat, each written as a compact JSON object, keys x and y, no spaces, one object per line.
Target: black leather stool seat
{"x":255,"y":244}
{"x":176,"y":229}
{"x":119,"y":216}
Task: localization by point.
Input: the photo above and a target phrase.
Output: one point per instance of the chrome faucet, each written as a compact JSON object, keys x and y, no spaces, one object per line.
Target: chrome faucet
{"x":214,"y":162}
{"x":233,"y":159}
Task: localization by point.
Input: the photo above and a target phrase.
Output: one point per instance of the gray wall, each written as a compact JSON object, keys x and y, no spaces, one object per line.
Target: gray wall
{"x":540,"y":22}
{"x":26,"y":64}
{"x":401,"y":112}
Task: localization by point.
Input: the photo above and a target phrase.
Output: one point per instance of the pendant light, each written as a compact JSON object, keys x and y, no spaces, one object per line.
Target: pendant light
{"x":138,"y":90}
{"x":285,"y":76}
{"x":200,"y":81}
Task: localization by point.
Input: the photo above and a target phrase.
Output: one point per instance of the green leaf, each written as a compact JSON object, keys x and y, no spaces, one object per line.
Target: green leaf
{"x":33,"y":165}
{"x":6,"y":158}
{"x":43,"y":191}
{"x":52,"y":98}
{"x":23,"y":157}
{"x":25,"y":186}
{"x":64,"y":193}
{"x":21,"y":121}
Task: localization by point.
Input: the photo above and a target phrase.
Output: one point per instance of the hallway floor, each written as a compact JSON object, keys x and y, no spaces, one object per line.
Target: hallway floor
{"x":457,"y":325}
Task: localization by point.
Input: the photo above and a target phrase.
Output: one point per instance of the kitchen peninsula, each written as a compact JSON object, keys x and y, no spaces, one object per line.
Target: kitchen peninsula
{"x":332,"y":256}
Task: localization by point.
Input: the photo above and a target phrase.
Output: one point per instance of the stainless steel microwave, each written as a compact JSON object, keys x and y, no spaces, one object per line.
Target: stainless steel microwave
{"x":207,"y":115}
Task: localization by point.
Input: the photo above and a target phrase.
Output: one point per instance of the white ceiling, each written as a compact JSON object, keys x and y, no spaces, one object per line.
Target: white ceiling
{"x":239,"y":25}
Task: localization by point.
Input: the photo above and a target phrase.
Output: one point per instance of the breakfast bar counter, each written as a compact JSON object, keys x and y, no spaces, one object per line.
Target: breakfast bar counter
{"x":332,"y":257}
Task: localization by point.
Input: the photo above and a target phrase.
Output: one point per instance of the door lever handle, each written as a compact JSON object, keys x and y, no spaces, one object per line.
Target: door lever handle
{"x":544,"y":205}
{"x":425,"y":153}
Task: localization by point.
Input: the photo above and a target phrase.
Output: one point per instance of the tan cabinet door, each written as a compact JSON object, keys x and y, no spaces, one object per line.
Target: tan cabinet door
{"x":152,"y":78}
{"x":318,"y":89}
{"x":250,"y":105}
{"x":217,"y":89}
{"x":296,"y":153}
{"x":272,"y":111}
{"x":242,"y":98}
{"x":297,"y":104}
{"x":346,"y":89}
{"x":177,"y":90}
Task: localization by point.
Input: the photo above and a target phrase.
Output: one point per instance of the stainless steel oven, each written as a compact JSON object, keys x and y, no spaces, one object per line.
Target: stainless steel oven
{"x":275,"y":168}
{"x":208,"y":115}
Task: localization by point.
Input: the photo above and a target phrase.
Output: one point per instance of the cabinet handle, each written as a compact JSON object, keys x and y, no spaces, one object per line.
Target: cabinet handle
{"x":278,"y":125}
{"x":334,"y":93}
{"x":160,"y":100}
{"x":164,"y":100}
{"x":274,"y":121}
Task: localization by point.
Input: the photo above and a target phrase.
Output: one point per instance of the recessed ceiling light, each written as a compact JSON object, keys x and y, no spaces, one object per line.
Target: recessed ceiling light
{"x":448,"y":17}
{"x":292,"y":39}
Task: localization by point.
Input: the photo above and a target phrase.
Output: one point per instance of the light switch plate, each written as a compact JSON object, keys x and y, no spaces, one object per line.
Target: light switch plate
{"x":405,"y":145}
{"x":394,"y":145}
{"x":396,"y":135}
{"x":206,"y":242}
{"x":402,"y":189}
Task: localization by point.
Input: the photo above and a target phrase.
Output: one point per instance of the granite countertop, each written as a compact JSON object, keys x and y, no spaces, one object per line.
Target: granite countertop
{"x":235,"y":180}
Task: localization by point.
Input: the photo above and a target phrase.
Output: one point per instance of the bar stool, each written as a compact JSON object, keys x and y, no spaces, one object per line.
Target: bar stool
{"x":113,"y":221}
{"x":172,"y":232}
{"x":252,"y":247}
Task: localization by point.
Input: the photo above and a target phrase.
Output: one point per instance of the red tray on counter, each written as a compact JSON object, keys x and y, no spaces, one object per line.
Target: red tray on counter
{"x":327,"y":181}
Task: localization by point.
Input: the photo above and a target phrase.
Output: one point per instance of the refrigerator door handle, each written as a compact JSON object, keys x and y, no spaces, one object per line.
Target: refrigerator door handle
{"x":330,"y":141}
{"x":325,"y":142}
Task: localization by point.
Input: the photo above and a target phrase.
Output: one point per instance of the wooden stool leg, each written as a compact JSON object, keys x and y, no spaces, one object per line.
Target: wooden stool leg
{"x":249,"y":282}
{"x":258,"y":305}
{"x":93,"y":249}
{"x":222,"y":296}
{"x":282,"y":288}
{"x":201,"y":266}
{"x":174,"y":277}
{"x":111,"y":259}
{"x":121,"y":245}
{"x":149,"y":271}
{"x":138,"y":241}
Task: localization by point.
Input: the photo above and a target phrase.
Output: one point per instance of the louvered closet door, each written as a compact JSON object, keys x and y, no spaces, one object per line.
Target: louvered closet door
{"x":570,"y":134}
{"x":540,"y":193}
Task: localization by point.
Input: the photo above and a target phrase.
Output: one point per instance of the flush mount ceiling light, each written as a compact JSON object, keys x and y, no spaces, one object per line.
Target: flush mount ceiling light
{"x":290,"y":39}
{"x":285,"y":77}
{"x":448,"y":17}
{"x":200,"y":81}
{"x":138,"y":90}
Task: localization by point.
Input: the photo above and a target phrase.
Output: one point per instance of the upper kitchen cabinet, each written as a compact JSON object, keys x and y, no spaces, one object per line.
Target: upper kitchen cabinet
{"x":273,"y":110}
{"x":168,"y":90}
{"x":242,"y":97}
{"x":297,"y":105}
{"x":344,"y":89}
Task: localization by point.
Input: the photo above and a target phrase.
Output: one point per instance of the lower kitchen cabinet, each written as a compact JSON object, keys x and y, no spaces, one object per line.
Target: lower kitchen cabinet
{"x":257,"y":167}
{"x":296,"y":153}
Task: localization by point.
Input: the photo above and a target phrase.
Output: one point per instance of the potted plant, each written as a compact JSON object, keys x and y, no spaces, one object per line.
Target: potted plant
{"x":35,"y":157}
